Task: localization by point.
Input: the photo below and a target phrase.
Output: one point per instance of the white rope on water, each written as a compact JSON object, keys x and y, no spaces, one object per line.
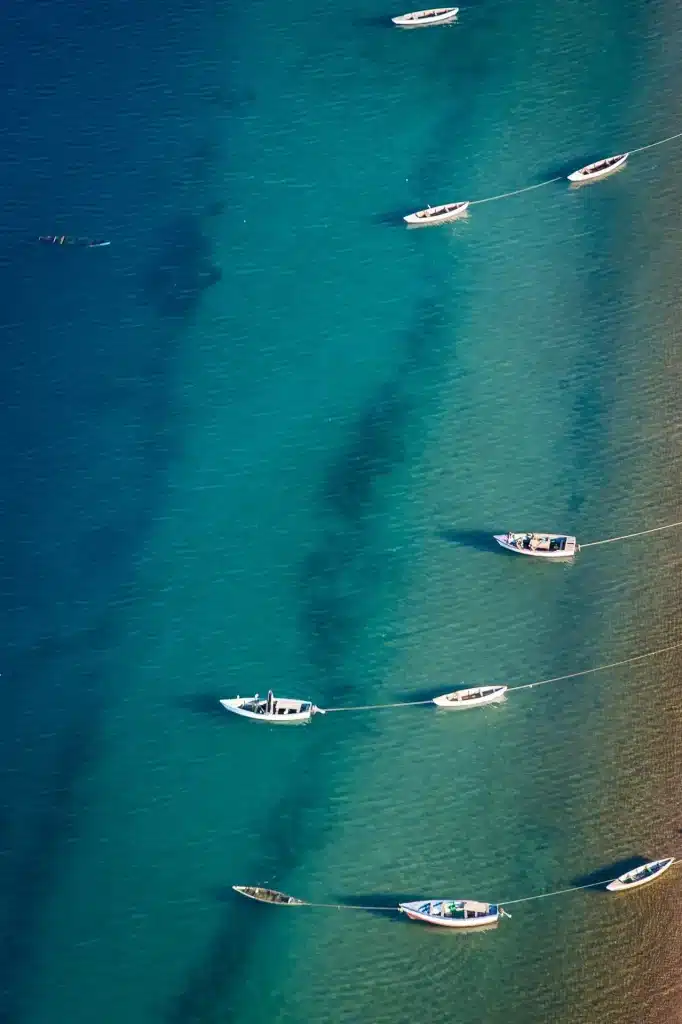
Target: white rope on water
{"x":628,"y":536}
{"x":378,"y":707}
{"x":660,"y":142}
{"x":557,"y":892}
{"x":516,"y":192}
{"x":523,"y":686}
{"x":599,"y":668}
{"x":499,"y":903}
{"x":348,"y":906}
{"x":550,"y":181}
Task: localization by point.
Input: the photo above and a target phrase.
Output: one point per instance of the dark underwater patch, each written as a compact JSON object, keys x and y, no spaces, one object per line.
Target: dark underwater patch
{"x":182,"y":269}
{"x":211,"y":988}
{"x":28,"y":872}
{"x":336,"y":583}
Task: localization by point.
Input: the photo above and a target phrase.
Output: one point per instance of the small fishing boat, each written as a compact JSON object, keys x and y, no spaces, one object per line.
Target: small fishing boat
{"x":471,"y":698}
{"x":256,"y":892}
{"x":279,"y":710}
{"x":599,"y":169}
{"x":420,"y":19}
{"x":539,"y":545}
{"x":433,"y":215}
{"x":641,"y":876}
{"x":79,"y":243}
{"x":453,"y":913}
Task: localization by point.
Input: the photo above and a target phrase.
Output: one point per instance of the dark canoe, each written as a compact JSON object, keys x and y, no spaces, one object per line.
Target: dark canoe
{"x":255,"y":892}
{"x":80,"y":243}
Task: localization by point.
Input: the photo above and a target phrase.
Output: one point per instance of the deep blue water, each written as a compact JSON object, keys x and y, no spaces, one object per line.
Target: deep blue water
{"x":108,"y":121}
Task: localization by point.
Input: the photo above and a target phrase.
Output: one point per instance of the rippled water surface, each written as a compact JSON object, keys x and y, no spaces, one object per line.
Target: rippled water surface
{"x":265,"y":443}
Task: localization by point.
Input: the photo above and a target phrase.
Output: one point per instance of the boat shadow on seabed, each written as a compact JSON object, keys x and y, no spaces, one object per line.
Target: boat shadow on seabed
{"x":373,"y":21}
{"x":425,"y":694}
{"x":390,"y":218}
{"x":479,"y":540}
{"x":605,"y":874}
{"x":201,"y":704}
{"x":374,"y":900}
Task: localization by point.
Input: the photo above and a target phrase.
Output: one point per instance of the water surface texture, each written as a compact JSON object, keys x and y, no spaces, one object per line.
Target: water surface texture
{"x":264,"y":440}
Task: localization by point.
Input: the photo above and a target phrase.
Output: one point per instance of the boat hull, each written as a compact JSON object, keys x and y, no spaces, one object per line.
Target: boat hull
{"x":583,"y":176}
{"x":621,"y":884}
{"x":406,"y":21}
{"x":235,"y":705}
{"x":273,"y":896}
{"x":459,"y":700}
{"x":413,"y":220}
{"x":413,"y":912}
{"x":568,"y":552}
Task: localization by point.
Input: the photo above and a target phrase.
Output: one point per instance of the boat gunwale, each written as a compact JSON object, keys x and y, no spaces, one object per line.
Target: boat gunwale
{"x":621,"y":884}
{"x":440,"y":213}
{"x":570,"y":549}
{"x":497,"y":692}
{"x":430,"y":15}
{"x":236,"y":706}
{"x":250,"y":890}
{"x":599,"y":168}
{"x":413,"y":912}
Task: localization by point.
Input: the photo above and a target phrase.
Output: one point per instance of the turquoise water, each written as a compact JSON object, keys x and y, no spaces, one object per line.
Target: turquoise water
{"x":341,"y":421}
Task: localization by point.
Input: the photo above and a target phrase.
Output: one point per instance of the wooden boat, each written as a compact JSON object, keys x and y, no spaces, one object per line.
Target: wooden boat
{"x":641,"y":876}
{"x":599,"y":169}
{"x":80,"y":243}
{"x":453,"y":913}
{"x":255,"y":892}
{"x":471,"y":698}
{"x":278,"y":710}
{"x":539,"y":545}
{"x":433,"y":215}
{"x":420,"y":19}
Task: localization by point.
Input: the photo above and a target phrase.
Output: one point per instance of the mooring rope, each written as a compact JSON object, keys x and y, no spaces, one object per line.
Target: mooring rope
{"x":628,"y":536}
{"x":659,"y":143}
{"x":377,"y":707}
{"x":497,"y":903}
{"x":516,"y":192}
{"x":561,"y":177}
{"x":599,"y":668}
{"x":522,"y":686}
{"x":347,"y":906}
{"x":557,"y":892}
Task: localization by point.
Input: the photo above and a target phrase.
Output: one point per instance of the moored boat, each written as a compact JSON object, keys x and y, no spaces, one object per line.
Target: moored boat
{"x":80,"y":243}
{"x":641,"y":875}
{"x":472,"y":697}
{"x":256,"y":892}
{"x":453,"y":913}
{"x":539,"y":545}
{"x":278,"y":710}
{"x":420,"y":19}
{"x":433,"y":215}
{"x":599,"y":169}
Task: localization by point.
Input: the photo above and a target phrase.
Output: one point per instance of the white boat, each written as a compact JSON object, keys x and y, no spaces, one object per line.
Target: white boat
{"x":471,"y":698}
{"x":420,"y":19}
{"x":539,"y":545}
{"x":433,"y":215}
{"x":641,"y":876}
{"x":453,"y":913}
{"x":599,"y":169}
{"x":278,"y":710}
